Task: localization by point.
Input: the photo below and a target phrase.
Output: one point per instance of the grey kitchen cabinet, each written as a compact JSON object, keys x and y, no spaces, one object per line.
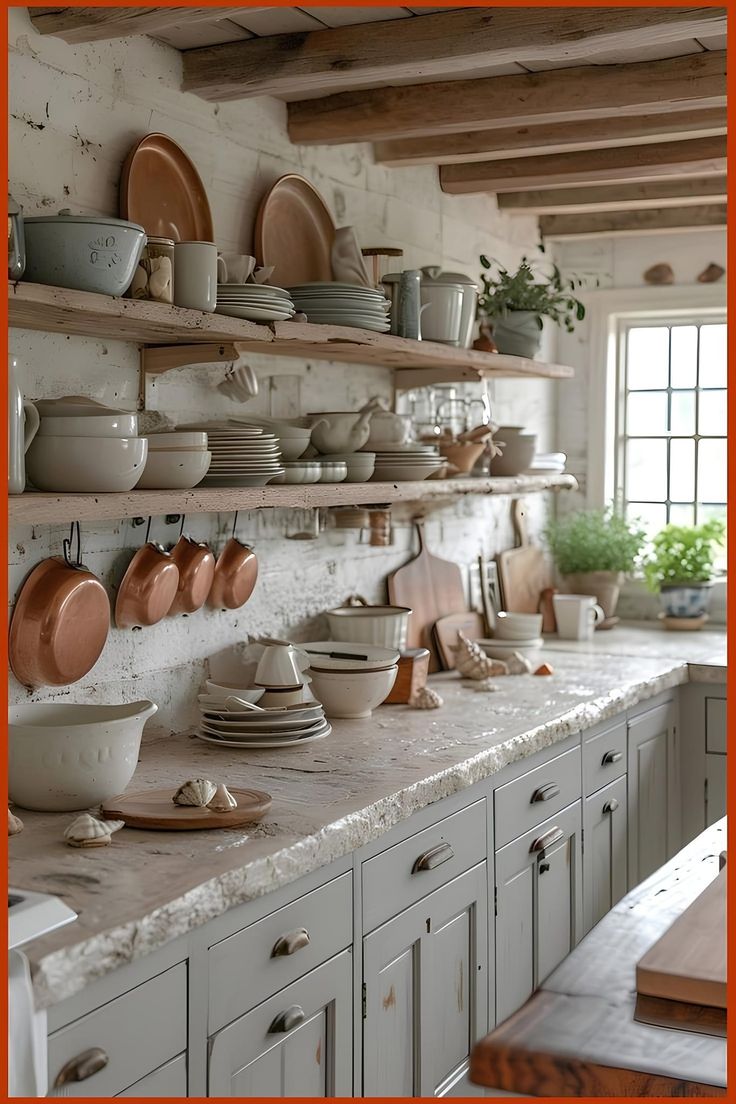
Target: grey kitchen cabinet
{"x":168,"y":1080}
{"x":538,"y":904}
{"x":425,"y":990}
{"x":703,"y":755}
{"x":605,"y":816}
{"x":653,"y":790}
{"x":715,"y":787}
{"x":296,"y":1043}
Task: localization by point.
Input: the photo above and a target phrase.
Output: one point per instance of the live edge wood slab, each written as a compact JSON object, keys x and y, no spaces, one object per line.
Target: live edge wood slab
{"x":577,"y":1035}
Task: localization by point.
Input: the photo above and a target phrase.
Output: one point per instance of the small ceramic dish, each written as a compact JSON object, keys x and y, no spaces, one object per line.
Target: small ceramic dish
{"x":300,"y":471}
{"x":176,"y":471}
{"x":333,"y":471}
{"x":334,"y":655}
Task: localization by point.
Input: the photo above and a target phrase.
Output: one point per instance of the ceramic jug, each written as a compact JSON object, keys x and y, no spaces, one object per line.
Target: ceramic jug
{"x":23,"y":423}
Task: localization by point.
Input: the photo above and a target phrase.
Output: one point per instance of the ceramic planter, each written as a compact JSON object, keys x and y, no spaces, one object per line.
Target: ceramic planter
{"x":517,"y":333}
{"x":605,"y":586}
{"x":685,"y":599}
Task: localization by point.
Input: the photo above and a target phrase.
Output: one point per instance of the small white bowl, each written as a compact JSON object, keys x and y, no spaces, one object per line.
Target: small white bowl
{"x":109,"y":425}
{"x":502,"y":649}
{"x":174,"y":471}
{"x":352,"y":693}
{"x":177,"y":439}
{"x":299,"y":471}
{"x":85,"y":465}
{"x":518,"y":626}
{"x":360,"y":465}
{"x":333,"y":471}
{"x":292,"y":448}
{"x":383,"y":626}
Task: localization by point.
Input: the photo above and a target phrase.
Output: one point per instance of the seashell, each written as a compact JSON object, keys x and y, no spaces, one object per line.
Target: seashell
{"x":545,"y":669}
{"x":472,"y":662}
{"x":223,"y":801}
{"x":160,"y":278}
{"x":88,"y":831}
{"x":196,"y":791}
{"x":659,"y":274}
{"x":711,"y":273}
{"x":15,"y":824}
{"x":518,"y":664}
{"x":139,"y":284}
{"x":426,"y":698}
{"x":485,"y":686}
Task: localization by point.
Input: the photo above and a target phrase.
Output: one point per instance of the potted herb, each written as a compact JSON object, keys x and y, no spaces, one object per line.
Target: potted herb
{"x":593,"y":551}
{"x":681,"y":567}
{"x":515,"y":304}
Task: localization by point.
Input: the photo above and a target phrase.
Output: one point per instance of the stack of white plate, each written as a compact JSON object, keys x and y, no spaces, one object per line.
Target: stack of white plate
{"x":337,"y":304}
{"x":247,"y":729}
{"x":256,"y":302}
{"x":242,"y":456}
{"x":547,"y":463}
{"x":407,"y":462}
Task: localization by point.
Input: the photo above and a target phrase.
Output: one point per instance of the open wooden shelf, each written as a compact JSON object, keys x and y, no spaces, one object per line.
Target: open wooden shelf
{"x":416,"y":363}
{"x":36,"y":508}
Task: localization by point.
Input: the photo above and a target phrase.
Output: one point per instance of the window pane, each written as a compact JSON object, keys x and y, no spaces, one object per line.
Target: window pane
{"x":646,"y":470}
{"x":713,"y":356}
{"x":653,"y":516}
{"x":648,"y":358}
{"x":680,"y":514}
{"x":683,"y":412}
{"x":646,"y":413}
{"x":712,"y":471}
{"x":682,"y":470}
{"x":684,"y":355}
{"x":712,"y":414}
{"x":705,"y":513}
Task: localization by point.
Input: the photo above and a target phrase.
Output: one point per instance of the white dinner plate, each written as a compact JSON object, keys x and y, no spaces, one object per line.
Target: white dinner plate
{"x":253,"y":314}
{"x":239,"y":480}
{"x":254,"y":745}
{"x":254,"y":289}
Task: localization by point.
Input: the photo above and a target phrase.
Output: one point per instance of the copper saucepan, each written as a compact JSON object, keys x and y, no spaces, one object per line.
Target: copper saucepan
{"x":196,"y":563}
{"x":60,"y":621}
{"x":236,"y":572}
{"x":148,"y":588}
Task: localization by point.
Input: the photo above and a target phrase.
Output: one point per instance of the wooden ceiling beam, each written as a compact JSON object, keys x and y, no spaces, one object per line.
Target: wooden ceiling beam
{"x":524,"y":141}
{"x":632,"y":222}
{"x":559,"y":95}
{"x":696,"y":157}
{"x":615,"y":197}
{"x":76,"y":25}
{"x":435,"y":46}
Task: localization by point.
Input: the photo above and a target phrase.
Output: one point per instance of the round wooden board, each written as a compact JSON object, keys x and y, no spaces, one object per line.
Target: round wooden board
{"x":155,"y":809}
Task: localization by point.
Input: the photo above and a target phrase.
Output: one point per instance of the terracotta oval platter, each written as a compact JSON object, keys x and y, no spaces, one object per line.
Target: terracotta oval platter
{"x":155,"y":809}
{"x":161,"y":190}
{"x":294,"y":233}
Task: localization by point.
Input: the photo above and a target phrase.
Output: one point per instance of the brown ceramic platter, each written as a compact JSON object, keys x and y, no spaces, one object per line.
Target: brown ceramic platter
{"x":155,"y":809}
{"x":161,"y":190}
{"x":294,"y":232}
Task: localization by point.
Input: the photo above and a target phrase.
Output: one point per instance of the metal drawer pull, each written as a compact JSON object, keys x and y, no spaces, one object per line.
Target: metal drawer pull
{"x":290,"y":943}
{"x":611,"y":757}
{"x":611,"y":806}
{"x":287,"y":1020}
{"x":547,"y":840}
{"x":85,"y":1065}
{"x":543,"y":867}
{"x":436,"y":856}
{"x":545,"y":793}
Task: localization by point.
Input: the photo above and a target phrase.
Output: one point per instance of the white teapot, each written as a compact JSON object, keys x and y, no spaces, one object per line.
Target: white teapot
{"x":343,"y":431}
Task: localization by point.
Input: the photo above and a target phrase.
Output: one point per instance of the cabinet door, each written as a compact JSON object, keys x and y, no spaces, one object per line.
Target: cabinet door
{"x":425,"y":990}
{"x":297,"y":1043}
{"x":538,"y":906}
{"x":168,"y":1080}
{"x":653,"y":790}
{"x":604,"y":851}
{"x":715,"y":788}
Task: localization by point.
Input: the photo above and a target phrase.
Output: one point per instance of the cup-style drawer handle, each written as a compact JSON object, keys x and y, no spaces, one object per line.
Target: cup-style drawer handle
{"x":545,"y":793}
{"x":286,"y":1021}
{"x":547,"y":840}
{"x":291,"y":942}
{"x":436,"y":856}
{"x":85,"y":1065}
{"x":611,"y":806}
{"x":612,"y":757}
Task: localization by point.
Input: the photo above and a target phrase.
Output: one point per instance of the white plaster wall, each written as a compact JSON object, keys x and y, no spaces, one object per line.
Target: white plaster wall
{"x":74,"y":114}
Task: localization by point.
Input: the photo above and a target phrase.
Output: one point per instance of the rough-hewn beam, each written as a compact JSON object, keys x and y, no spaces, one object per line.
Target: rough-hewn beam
{"x":434,"y":47}
{"x":524,"y":141}
{"x":95,"y":24}
{"x":615,"y":197}
{"x":632,"y":222}
{"x":561,"y":95}
{"x":625,"y":164}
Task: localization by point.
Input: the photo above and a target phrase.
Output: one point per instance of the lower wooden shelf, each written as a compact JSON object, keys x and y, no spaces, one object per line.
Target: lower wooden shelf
{"x":36,"y":508}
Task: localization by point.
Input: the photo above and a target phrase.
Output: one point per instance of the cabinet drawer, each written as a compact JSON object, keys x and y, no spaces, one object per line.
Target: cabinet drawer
{"x":535,"y":796}
{"x":715,"y":725}
{"x":168,"y":1080}
{"x":411,"y":869}
{"x":137,"y":1032}
{"x":256,"y":962}
{"x":604,"y":758}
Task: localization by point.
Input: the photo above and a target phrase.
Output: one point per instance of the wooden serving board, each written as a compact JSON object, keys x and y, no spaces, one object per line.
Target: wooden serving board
{"x":523,"y":571}
{"x":155,"y":809}
{"x":445,"y":634}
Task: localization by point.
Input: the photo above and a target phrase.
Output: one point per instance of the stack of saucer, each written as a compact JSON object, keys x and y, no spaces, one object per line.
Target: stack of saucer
{"x":343,"y":305}
{"x":407,"y":462}
{"x":256,"y":302}
{"x":242,"y":456}
{"x":232,"y":724}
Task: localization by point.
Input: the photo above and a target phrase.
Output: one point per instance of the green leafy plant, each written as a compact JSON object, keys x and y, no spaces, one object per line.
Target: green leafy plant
{"x":505,"y":291}
{"x":595,"y":540}
{"x":684,"y":554}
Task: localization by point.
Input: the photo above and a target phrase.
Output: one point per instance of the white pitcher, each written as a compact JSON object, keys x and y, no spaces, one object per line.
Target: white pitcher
{"x":23,"y":423}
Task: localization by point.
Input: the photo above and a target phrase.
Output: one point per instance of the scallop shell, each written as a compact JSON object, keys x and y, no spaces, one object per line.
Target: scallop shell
{"x":160,"y":278}
{"x":485,"y":686}
{"x":15,"y":824}
{"x":88,"y":831}
{"x":196,"y":791}
{"x":472,"y":662}
{"x":518,"y":664}
{"x":426,"y":698}
{"x":223,"y":801}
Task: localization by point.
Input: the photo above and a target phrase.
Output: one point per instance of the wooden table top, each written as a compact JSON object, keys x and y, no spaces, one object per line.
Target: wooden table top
{"x":577,"y":1035}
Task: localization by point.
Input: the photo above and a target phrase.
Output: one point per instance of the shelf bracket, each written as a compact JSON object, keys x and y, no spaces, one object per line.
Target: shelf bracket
{"x":157,"y":359}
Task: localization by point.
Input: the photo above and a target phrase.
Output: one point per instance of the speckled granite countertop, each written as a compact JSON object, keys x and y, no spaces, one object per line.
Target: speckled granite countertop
{"x":329,"y":798}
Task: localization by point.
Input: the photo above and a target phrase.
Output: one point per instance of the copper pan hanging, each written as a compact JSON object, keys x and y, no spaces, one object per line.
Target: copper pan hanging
{"x":236,"y":572}
{"x":148,"y":588}
{"x":196,"y":563}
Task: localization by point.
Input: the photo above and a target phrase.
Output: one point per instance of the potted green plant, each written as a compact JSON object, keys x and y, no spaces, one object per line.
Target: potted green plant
{"x":680,"y":567}
{"x":515,"y":303}
{"x":594,"y":550}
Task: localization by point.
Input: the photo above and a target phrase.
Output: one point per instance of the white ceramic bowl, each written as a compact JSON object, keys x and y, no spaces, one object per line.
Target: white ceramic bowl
{"x":75,"y":251}
{"x":176,"y":471}
{"x":109,"y":425}
{"x":352,"y":693}
{"x":400,"y":473}
{"x":299,"y":471}
{"x":292,"y":448}
{"x":381,"y":626}
{"x":518,"y":626}
{"x":377,"y":657}
{"x":177,"y":439}
{"x":502,"y":649}
{"x":360,"y":465}
{"x":64,"y":757}
{"x":86,"y":465}
{"x":333,"y":471}
{"x":218,"y":690}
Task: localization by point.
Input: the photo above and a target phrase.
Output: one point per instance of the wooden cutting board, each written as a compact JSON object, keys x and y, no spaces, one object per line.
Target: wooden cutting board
{"x":431,"y":588}
{"x":523,"y":572}
{"x":155,"y":809}
{"x":688,"y":963}
{"x":445,"y":634}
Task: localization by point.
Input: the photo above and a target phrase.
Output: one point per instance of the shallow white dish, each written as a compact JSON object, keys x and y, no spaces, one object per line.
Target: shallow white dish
{"x":254,"y":745}
{"x":174,"y":471}
{"x":108,"y":425}
{"x":253,"y":314}
{"x":86,"y":464}
{"x":238,"y":480}
{"x":250,"y":693}
{"x":333,"y":471}
{"x":236,"y":729}
{"x":296,"y":473}
{"x":405,"y":473}
{"x":377,"y":658}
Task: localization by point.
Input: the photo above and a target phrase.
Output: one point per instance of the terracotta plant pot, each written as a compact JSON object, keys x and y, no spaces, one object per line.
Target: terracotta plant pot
{"x":604,"y":585}
{"x":517,"y":333}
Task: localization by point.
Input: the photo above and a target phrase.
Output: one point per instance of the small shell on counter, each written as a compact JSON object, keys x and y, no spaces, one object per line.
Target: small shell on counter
{"x":196,"y":791}
{"x":15,"y":824}
{"x":223,"y":801}
{"x":472,"y":662}
{"x":426,"y":698}
{"x":485,"y":686}
{"x":518,"y":664}
{"x":545,"y":669}
{"x":88,"y":831}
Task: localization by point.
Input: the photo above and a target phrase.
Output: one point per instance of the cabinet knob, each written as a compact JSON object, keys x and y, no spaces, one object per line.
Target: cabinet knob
{"x":545,"y":793}
{"x":611,"y":806}
{"x":543,"y":867}
{"x":287,"y":1020}
{"x":85,"y":1065}
{"x":611,"y":757}
{"x":540,"y":844}
{"x":291,"y":942}
{"x":442,"y":853}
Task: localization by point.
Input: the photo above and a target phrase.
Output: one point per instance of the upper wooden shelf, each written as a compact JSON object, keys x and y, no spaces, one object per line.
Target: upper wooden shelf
{"x":415,"y":363}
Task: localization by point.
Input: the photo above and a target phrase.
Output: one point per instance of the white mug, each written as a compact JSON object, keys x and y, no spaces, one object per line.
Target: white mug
{"x":195,"y":275}
{"x":576,"y":615}
{"x":234,"y":268}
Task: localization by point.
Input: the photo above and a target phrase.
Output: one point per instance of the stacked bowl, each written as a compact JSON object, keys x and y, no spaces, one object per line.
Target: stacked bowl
{"x":515,"y":632}
{"x":177,"y":460}
{"x":407,"y":462}
{"x":350,"y":680}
